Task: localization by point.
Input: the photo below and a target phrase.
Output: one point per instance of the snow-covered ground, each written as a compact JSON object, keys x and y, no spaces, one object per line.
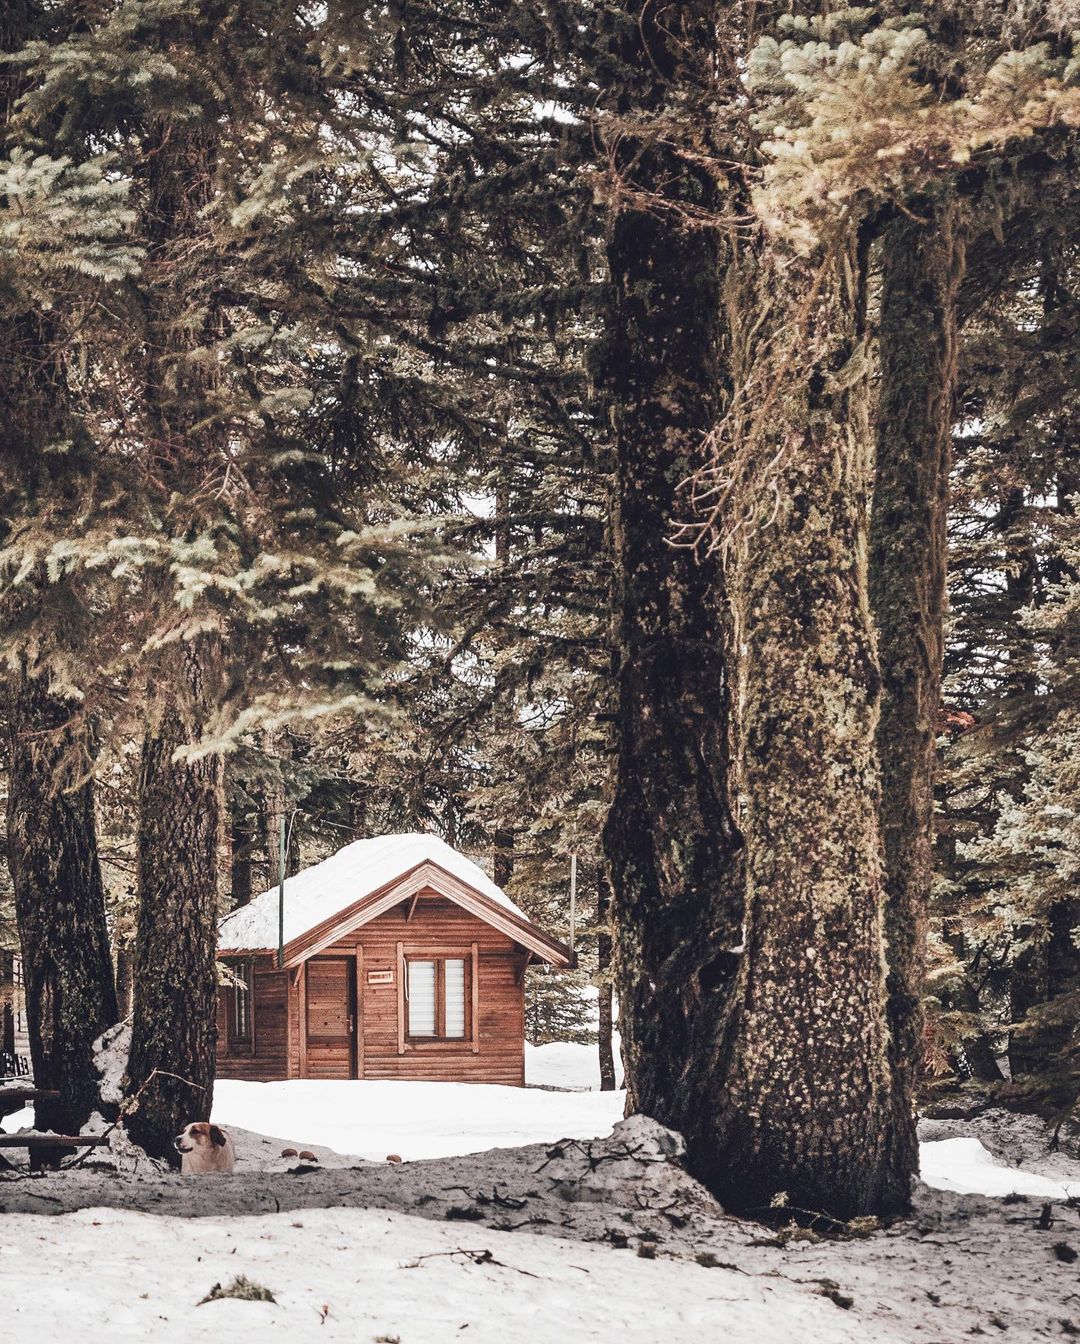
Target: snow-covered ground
{"x":633,"y":1250}
{"x":372,"y":1120}
{"x":562,"y":1064}
{"x":413,"y":1120}
{"x":964,"y":1165}
{"x":363,"y":1275}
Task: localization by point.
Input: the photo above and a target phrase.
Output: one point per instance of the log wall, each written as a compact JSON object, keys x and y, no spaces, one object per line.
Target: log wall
{"x":265,"y":1057}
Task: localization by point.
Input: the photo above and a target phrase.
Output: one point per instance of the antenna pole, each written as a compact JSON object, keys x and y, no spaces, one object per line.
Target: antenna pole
{"x":573,"y":906}
{"x":281,"y":893}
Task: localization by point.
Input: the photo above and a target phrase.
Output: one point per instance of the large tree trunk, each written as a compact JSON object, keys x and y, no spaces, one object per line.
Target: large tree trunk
{"x":181,"y":821}
{"x":606,"y":989}
{"x":672,"y":848}
{"x":181,"y":797}
{"x":808,"y":1117}
{"x":51,"y":837}
{"x":922,"y":270}
{"x":59,"y":897}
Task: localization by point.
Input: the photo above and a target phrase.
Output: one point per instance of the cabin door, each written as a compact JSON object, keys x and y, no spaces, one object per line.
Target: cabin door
{"x":331,"y":1017}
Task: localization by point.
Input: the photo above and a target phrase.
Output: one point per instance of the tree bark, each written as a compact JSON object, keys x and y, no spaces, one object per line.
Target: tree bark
{"x":125,"y":980}
{"x":607,"y":994}
{"x":59,"y":898}
{"x":241,"y":843}
{"x":52,"y":838}
{"x":181,"y":796}
{"x":672,"y":847}
{"x":922,"y":266}
{"x":180,"y":832}
{"x":808,"y":1116}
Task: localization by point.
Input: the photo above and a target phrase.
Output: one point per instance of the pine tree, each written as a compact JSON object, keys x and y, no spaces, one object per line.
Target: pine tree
{"x":48,"y":470}
{"x":671,"y":844}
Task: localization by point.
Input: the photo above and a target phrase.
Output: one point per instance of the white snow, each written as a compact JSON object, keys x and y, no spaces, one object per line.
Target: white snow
{"x":363,"y":1275}
{"x":563,"y":1064}
{"x":964,"y":1166}
{"x":347,"y":1258}
{"x":24,"y":1119}
{"x":413,"y":1120}
{"x":358,"y":870}
{"x":111,"y":1050}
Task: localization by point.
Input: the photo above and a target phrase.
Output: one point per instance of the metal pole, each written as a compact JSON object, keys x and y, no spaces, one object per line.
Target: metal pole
{"x":573,"y":906}
{"x":281,"y":893}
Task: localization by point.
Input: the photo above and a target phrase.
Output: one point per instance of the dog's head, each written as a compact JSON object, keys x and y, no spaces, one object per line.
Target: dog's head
{"x":199,"y":1135}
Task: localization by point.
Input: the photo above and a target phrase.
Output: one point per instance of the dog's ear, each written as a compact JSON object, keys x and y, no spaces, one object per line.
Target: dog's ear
{"x":217,"y":1136}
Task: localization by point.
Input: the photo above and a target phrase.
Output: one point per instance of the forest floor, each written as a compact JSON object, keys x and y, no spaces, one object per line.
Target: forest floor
{"x":631,"y":1248}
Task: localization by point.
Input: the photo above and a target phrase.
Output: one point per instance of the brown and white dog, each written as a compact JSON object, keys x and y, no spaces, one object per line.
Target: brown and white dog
{"x":204,"y":1147}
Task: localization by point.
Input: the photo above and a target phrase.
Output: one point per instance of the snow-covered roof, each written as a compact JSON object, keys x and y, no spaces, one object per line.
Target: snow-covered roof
{"x":359,"y":870}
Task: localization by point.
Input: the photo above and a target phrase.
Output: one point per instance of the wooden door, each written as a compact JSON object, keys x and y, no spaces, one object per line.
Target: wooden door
{"x":331,"y":1017}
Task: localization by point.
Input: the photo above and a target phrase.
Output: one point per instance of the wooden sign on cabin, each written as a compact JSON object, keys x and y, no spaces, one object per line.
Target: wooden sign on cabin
{"x":380,"y":977}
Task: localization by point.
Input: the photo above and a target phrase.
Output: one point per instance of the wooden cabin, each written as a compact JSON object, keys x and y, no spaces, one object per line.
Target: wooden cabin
{"x":400,"y":959}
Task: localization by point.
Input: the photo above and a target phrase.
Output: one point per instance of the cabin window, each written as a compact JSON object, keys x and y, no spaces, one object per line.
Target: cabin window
{"x":436,"y":997}
{"x":240,"y":1025}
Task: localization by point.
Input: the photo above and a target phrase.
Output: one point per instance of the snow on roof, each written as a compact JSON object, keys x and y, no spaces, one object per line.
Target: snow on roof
{"x":358,"y":870}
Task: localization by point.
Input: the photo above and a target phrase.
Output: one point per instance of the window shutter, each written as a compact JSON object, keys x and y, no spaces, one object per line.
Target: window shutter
{"x":421,"y":995}
{"x":455,"y":998}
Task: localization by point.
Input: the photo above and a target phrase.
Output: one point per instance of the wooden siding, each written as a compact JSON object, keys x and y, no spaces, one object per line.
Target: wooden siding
{"x":268,"y":1058}
{"x":494,"y":1053}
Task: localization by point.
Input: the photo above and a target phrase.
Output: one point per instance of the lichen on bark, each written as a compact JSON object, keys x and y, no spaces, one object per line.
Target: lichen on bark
{"x":806,"y":1118}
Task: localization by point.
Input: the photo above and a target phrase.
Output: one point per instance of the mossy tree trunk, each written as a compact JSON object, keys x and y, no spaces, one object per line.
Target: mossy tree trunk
{"x":922,"y":268}
{"x":180,"y":834}
{"x":808,"y":1115}
{"x":182,"y":807}
{"x":59,"y":897}
{"x":672,"y":848}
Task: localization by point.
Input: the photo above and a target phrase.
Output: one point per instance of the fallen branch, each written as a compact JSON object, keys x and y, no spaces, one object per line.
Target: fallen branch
{"x":480,"y":1257}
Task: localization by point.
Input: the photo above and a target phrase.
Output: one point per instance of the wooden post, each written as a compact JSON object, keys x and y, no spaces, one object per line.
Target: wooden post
{"x":291,"y":978}
{"x":401,"y":998}
{"x":475,"y":998}
{"x":302,"y":1015}
{"x":358,"y":1012}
